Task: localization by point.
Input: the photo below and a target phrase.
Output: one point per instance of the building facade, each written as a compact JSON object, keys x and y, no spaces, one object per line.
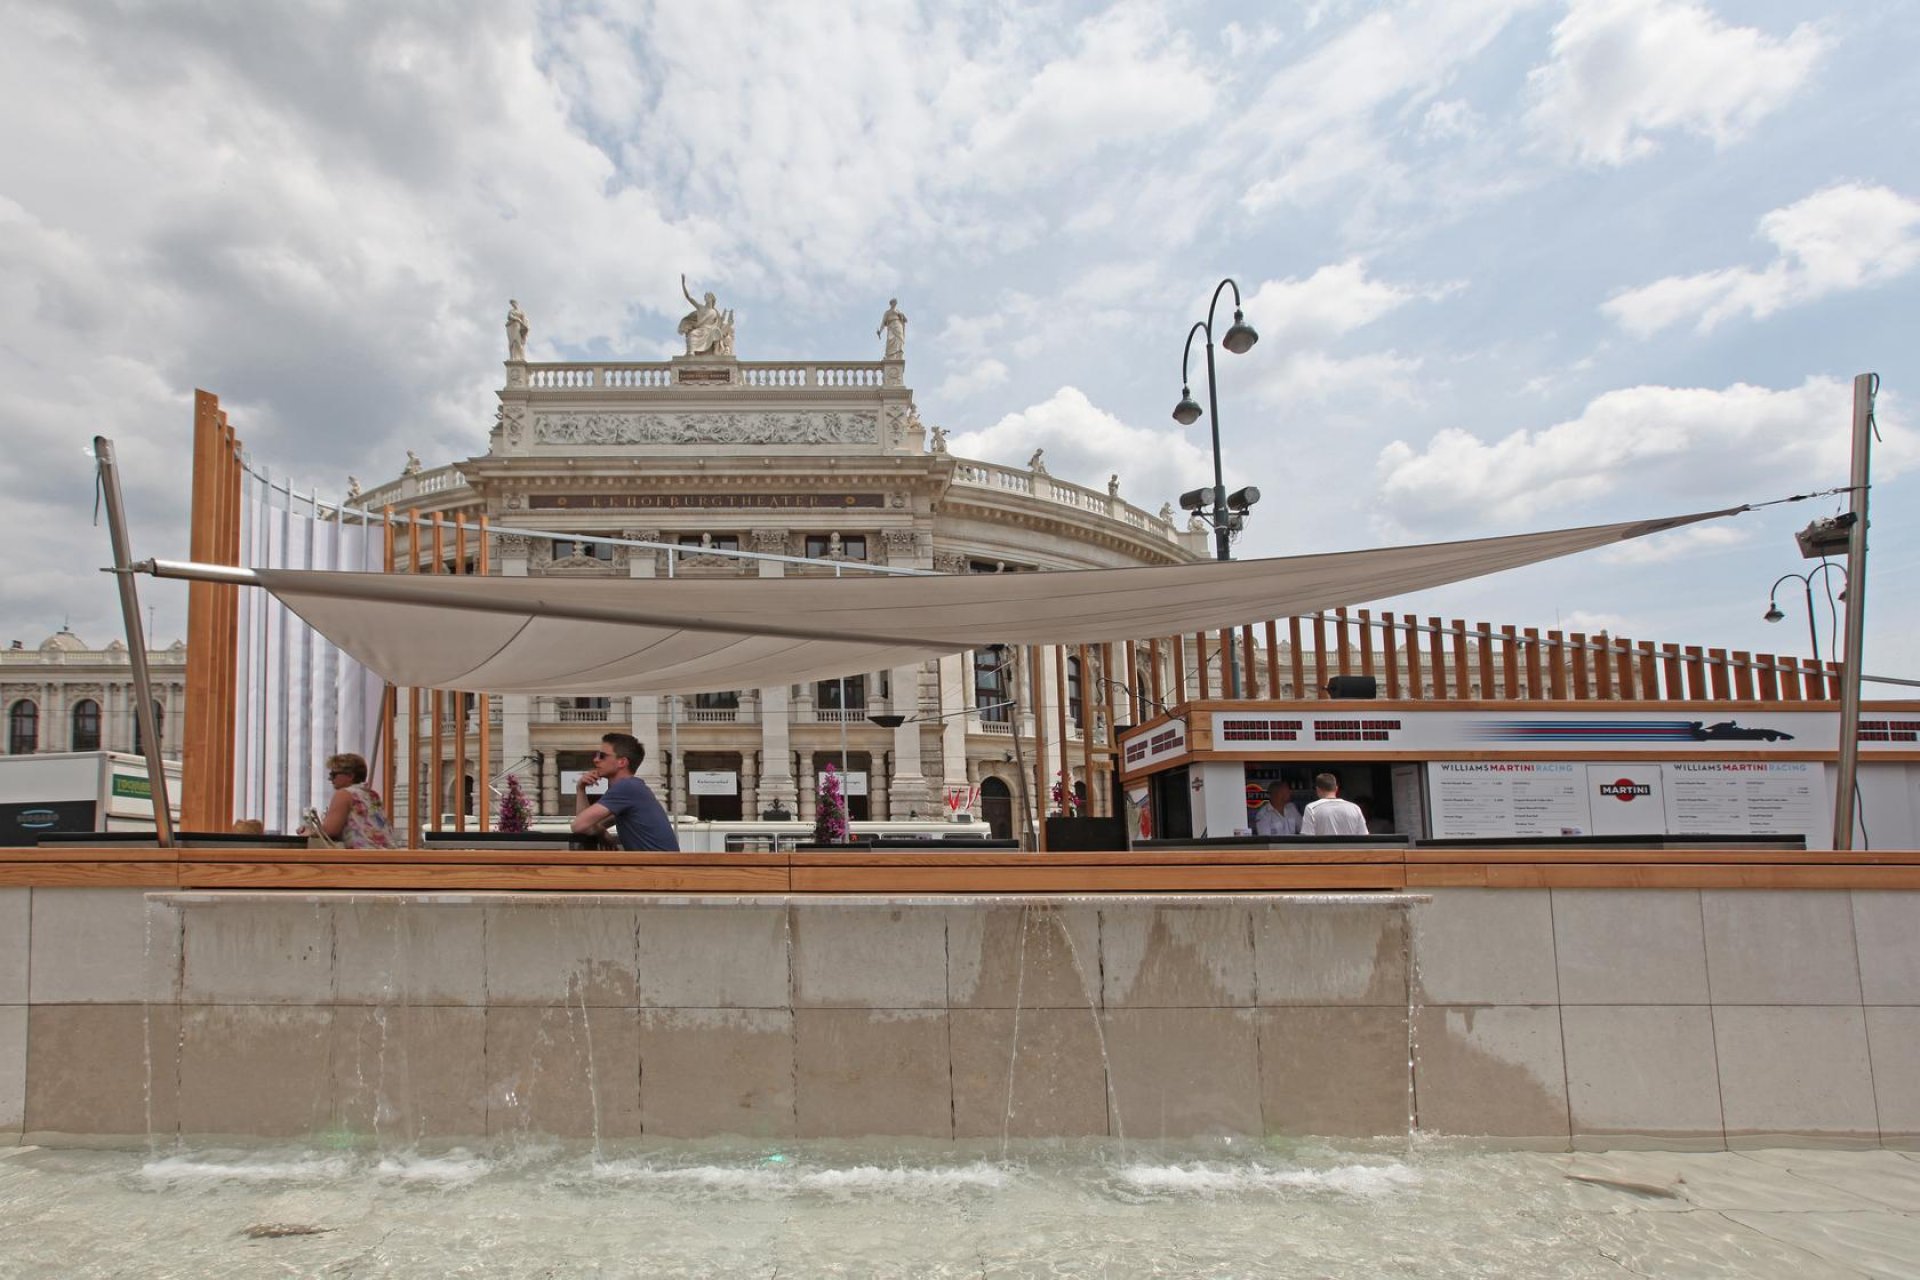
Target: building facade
{"x":721,"y":467}
{"x":65,"y":696}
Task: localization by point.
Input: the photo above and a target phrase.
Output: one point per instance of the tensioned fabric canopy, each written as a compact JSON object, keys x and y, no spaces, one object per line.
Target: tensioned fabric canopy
{"x":680,"y":635}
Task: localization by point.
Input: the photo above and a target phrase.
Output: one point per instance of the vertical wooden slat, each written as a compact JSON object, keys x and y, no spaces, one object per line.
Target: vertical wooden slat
{"x":1696,"y":668}
{"x":229,"y":651}
{"x":1717,"y":675}
{"x":439,"y":700}
{"x":1178,"y":681}
{"x":1462,"y":681}
{"x":460,"y":699}
{"x":1135,"y":713}
{"x":1485,"y":631}
{"x":1273,"y":658}
{"x":1249,"y":671}
{"x":1626,"y":670}
{"x":197,"y":720}
{"x":1672,"y":674}
{"x":413,"y":706}
{"x":1603,"y":667}
{"x":1155,"y":661}
{"x":1320,"y":672}
{"x":1416,"y":687}
{"x":1509,"y":662}
{"x":1203,"y":680}
{"x":1343,"y":640}
{"x":1556,"y":665}
{"x":1577,"y":656}
{"x":1437,"y":649}
{"x":1741,"y":672}
{"x":1390,"y":653}
{"x":1788,"y":675}
{"x":1036,"y":682}
{"x":484,"y":706}
{"x":1536,"y":672}
{"x":1833,"y":680}
{"x":1299,"y":656}
{"x":1766,"y":678}
{"x":390,"y":700}
{"x":1366,"y":642}
{"x":1112,"y":739}
{"x":1226,"y":661}
{"x":1086,"y":730}
{"x":1061,"y":706}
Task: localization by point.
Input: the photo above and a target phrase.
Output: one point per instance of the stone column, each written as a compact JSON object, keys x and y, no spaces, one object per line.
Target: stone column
{"x":909,"y":790}
{"x":645,"y":710}
{"x":956,"y":698}
{"x":749,"y":789}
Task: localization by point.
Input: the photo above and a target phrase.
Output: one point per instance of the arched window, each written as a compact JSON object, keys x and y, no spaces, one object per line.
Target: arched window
{"x":86,"y":725}
{"x":23,"y":728}
{"x":159,"y":728}
{"x":990,"y":684}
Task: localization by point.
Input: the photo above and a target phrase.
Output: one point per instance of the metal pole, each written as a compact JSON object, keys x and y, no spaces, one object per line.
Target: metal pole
{"x":136,"y":641}
{"x":1864,"y":387}
{"x":1813,"y":636}
{"x":1220,"y":539}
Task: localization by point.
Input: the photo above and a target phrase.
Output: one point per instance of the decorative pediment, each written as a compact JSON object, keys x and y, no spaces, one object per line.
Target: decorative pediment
{"x":805,"y":428}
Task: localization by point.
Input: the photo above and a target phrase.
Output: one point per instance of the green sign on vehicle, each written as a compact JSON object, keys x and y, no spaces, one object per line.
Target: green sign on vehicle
{"x":131,"y":788}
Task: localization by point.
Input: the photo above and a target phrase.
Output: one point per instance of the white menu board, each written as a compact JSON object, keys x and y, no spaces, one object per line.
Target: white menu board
{"x":1786,"y":798}
{"x":1508,"y":798}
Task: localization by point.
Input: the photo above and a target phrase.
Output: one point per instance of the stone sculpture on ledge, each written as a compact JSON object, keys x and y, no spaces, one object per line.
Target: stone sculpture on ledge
{"x":708,"y":329}
{"x":893,"y":327}
{"x":516,"y":332}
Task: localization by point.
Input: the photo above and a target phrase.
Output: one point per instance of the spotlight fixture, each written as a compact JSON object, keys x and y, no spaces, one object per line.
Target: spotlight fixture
{"x":1186,"y":413}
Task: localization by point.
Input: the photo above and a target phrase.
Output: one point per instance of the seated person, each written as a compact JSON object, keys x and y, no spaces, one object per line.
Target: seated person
{"x":1279,"y":816}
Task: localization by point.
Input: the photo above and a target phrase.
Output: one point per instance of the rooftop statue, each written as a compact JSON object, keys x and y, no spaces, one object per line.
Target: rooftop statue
{"x":893,"y":326}
{"x":708,"y":330}
{"x":516,"y":332}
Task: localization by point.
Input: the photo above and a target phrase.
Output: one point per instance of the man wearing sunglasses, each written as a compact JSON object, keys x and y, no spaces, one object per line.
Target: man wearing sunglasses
{"x":629,"y":804}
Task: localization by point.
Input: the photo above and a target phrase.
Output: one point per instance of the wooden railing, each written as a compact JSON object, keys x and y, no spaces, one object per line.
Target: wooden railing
{"x":1455,"y":660}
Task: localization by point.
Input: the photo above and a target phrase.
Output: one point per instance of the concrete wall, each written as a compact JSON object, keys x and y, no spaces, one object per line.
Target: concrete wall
{"x":1591,"y":1018}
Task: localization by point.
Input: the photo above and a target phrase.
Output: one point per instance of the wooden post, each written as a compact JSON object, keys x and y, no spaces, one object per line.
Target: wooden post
{"x":1064,"y":774}
{"x":1648,"y":683}
{"x":1717,"y":673}
{"x":437,"y":729}
{"x":1485,"y":632}
{"x":390,"y":700}
{"x":1741,"y":665}
{"x":413,"y":705}
{"x":1577,"y":651}
{"x":1788,"y":674}
{"x":1249,"y":672}
{"x":1179,"y":681}
{"x":1086,"y":731}
{"x":1342,"y":639}
{"x":1625,"y":670}
{"x":1603,"y":667}
{"x":1036,"y":683}
{"x":1414,"y":682}
{"x":1437,"y":650}
{"x":1319,"y":655}
{"x":483,"y":706}
{"x":1273,"y":658}
{"x":1462,"y":682}
{"x":1154,"y":663}
{"x":1697,"y":673}
{"x":207,"y":728}
{"x":1299,"y":664}
{"x":1202,"y":681}
{"x":1509,"y":663}
{"x":1390,"y":653}
{"x":459,"y":699}
{"x":1557,"y":664}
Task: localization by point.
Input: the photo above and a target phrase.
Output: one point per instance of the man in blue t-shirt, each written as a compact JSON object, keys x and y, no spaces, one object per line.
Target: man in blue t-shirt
{"x":628,"y":803}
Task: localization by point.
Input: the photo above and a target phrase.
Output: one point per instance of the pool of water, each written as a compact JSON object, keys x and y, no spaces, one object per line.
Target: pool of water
{"x":1227,"y":1209}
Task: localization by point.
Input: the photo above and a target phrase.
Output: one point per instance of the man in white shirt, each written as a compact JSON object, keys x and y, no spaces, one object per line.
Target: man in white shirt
{"x":1330,"y":815}
{"x":1279,"y":816}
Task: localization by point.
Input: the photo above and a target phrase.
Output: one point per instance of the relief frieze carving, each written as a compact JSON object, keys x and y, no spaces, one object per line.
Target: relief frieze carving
{"x":822,"y":427}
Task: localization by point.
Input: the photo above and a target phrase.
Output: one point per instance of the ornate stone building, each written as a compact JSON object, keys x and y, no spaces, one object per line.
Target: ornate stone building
{"x":64,"y":696}
{"x":735,"y":468}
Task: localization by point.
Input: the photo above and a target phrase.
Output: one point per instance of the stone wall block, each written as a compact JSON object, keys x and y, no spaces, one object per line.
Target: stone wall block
{"x":1491,"y":1072}
{"x":859,"y":957}
{"x":87,"y":1072}
{"x":1181,"y":1073}
{"x":878,"y":1072}
{"x":724,"y":958}
{"x":1643,"y":1075}
{"x":1893,"y":1040}
{"x":1314,"y":954}
{"x":1059,"y":1078}
{"x":708,"y":1071}
{"x":1886,"y":925}
{"x":1788,"y":948}
{"x":566,"y":1072}
{"x":257,"y":952}
{"x":102,"y":946}
{"x":393,"y":952}
{"x":409,"y":1075}
{"x":1334,"y":1072}
{"x":13,"y":1070}
{"x":1795,"y":1076}
{"x":255,"y":1071}
{"x":1623,"y":946}
{"x":16,"y":915}
{"x":1039,"y":957}
{"x":1177,"y":957}
{"x":554,"y":952}
{"x":1485,"y":946}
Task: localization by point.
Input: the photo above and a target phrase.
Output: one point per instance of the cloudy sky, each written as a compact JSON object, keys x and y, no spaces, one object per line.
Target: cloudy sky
{"x":1514,"y":264}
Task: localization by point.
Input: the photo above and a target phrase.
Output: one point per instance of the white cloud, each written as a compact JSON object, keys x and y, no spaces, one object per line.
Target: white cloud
{"x":1647,"y":444}
{"x":1084,"y":443}
{"x":984,"y":376}
{"x":1845,"y":237}
{"x":1300,"y":321}
{"x":1623,"y":71}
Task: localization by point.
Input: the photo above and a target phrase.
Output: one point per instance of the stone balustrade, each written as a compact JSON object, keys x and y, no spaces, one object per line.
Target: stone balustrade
{"x":1047,"y":488}
{"x":626,"y":378}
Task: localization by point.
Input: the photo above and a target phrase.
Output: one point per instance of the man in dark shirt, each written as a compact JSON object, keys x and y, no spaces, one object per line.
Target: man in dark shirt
{"x":629,"y":803}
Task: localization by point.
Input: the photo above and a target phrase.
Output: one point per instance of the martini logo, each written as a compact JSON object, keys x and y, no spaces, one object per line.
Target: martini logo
{"x":1626,"y":790}
{"x":1256,"y":795}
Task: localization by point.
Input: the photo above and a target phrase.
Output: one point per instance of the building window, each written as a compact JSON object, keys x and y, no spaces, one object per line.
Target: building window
{"x":728,"y":701}
{"x":159,"y":728}
{"x":836,"y":546}
{"x":568,"y":548}
{"x":991,"y":683}
{"x":23,"y":728}
{"x":86,"y":725}
{"x":827,"y":694}
{"x":1074,"y":692}
{"x":995,"y":566}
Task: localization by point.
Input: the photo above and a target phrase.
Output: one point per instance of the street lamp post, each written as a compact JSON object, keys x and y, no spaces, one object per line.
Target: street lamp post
{"x":1823,"y":570}
{"x":1224,"y":513}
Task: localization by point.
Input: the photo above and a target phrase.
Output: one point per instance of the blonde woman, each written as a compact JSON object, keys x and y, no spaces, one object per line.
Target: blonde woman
{"x":355,"y":817}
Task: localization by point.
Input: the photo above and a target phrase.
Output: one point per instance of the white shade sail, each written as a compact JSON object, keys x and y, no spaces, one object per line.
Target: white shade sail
{"x":679,"y":635}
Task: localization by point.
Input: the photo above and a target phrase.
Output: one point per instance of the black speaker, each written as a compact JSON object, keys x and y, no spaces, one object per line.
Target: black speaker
{"x":1353,"y":687}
